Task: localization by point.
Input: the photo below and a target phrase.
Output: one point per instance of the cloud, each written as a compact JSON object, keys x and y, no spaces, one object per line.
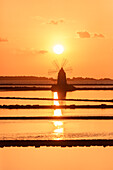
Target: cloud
{"x":50,"y":21}
{"x":3,"y":40}
{"x":30,"y":52}
{"x":84,"y":34}
{"x":42,"y":51}
{"x":55,"y":22}
{"x":98,"y":36}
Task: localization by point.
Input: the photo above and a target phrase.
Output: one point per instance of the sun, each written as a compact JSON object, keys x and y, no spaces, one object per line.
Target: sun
{"x":58,"y":49}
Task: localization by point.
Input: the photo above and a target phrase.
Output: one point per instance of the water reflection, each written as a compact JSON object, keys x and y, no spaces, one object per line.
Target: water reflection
{"x":58,"y":131}
{"x":62,"y":94}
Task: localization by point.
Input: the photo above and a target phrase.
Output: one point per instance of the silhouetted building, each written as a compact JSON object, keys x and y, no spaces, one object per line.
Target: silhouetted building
{"x":62,"y":86}
{"x":61,"y":81}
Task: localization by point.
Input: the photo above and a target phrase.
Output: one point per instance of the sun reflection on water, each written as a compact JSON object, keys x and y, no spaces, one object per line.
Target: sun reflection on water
{"x":58,"y":124}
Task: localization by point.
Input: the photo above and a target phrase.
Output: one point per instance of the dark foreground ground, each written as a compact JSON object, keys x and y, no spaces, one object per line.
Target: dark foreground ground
{"x":62,"y":143}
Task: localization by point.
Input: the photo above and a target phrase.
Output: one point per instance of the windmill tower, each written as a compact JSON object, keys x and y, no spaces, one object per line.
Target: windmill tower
{"x":61,"y":80}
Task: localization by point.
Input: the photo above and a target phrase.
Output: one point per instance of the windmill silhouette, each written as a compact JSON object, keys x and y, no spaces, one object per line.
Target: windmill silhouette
{"x":62,"y":86}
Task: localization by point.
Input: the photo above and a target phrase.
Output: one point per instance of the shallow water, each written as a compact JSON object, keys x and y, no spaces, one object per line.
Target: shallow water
{"x":47,"y":129}
{"x":49,"y":158}
{"x":56,"y":130}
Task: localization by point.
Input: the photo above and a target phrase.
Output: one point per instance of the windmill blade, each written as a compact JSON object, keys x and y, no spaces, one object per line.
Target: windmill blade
{"x":64,"y":62}
{"x":55,"y":62}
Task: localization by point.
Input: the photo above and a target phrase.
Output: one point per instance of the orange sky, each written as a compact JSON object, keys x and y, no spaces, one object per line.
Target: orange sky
{"x":29,"y":30}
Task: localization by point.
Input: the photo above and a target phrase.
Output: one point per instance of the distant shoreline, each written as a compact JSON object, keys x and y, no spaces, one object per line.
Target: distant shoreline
{"x":50,"y":78}
{"x":45,"y":80}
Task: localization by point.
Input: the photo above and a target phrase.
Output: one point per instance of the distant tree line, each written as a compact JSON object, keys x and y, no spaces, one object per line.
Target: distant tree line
{"x":77,"y":79}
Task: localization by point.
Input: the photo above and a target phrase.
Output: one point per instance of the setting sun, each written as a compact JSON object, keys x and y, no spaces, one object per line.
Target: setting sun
{"x":58,"y":49}
{"x":56,"y":84}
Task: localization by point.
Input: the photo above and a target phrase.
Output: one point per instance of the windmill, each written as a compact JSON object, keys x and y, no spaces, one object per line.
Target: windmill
{"x":62,"y":86}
